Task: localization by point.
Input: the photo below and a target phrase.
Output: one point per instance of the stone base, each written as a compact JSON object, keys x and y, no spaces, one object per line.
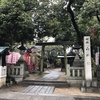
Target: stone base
{"x":26,"y":74}
{"x":74,"y":82}
{"x":89,"y":89}
{"x":18,"y":80}
{"x":2,"y":81}
{"x":90,"y":86}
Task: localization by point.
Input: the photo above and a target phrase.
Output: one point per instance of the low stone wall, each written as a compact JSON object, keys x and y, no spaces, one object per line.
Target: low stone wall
{"x":75,"y":75}
{"x":2,"y":81}
{"x":77,"y":97}
{"x":18,"y":71}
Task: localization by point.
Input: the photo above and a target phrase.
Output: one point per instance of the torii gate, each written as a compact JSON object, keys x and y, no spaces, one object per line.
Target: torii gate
{"x":63,"y":43}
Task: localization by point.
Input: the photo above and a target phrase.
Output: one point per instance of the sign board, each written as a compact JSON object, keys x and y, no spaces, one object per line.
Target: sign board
{"x":87,"y":58}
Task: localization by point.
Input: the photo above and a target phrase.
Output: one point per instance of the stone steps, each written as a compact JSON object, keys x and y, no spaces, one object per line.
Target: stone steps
{"x":46,"y":83}
{"x":36,"y":89}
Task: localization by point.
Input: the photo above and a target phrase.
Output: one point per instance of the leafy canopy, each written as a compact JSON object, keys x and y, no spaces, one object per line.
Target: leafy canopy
{"x":15,"y":22}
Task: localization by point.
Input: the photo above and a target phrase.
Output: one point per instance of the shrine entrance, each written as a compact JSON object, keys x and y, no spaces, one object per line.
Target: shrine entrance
{"x":65,"y":44}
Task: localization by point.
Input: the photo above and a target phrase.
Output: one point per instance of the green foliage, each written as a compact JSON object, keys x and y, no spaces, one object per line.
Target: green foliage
{"x":90,"y":8}
{"x":24,"y":20}
{"x":51,"y":19}
{"x":88,"y":18}
{"x":15,"y":22}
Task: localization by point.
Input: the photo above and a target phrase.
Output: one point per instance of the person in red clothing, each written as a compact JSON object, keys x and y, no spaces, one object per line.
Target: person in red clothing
{"x":31,"y":60}
{"x":27,"y":58}
{"x":34,"y":60}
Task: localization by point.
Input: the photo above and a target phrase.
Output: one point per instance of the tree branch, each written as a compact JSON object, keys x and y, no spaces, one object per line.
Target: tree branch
{"x":98,"y":18}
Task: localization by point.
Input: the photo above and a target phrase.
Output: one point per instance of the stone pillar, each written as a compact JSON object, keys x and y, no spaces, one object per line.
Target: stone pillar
{"x":87,"y":58}
{"x":88,"y":85}
{"x":65,"y":59}
{"x":23,"y":67}
{"x":42,"y":59}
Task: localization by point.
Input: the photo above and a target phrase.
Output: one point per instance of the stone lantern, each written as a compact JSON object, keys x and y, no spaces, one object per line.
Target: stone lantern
{"x":76,"y":47}
{"x":78,"y":62}
{"x":71,"y":56}
{"x":22,"y":49}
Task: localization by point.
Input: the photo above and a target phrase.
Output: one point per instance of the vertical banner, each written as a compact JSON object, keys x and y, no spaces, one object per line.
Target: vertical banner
{"x":87,"y":58}
{"x":97,"y":58}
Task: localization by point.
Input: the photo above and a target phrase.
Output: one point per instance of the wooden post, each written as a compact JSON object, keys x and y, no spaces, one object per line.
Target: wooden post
{"x":65,"y":59}
{"x":42,"y":59}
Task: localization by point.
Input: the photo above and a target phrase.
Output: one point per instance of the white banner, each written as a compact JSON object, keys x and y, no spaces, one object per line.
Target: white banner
{"x":97,"y":58}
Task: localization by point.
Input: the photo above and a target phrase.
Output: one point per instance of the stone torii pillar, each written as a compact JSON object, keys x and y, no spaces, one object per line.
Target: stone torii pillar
{"x":65,"y":58}
{"x":63,"y":43}
{"x":42,"y":59}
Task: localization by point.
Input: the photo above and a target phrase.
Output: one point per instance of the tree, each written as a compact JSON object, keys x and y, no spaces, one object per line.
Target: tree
{"x":74,"y":6}
{"x":24,"y":20}
{"x":61,"y":24}
{"x":85,"y":18}
{"x":15,"y":22}
{"x":50,"y":19}
{"x":90,"y":13}
{"x":40,"y":17}
{"x":91,"y":8}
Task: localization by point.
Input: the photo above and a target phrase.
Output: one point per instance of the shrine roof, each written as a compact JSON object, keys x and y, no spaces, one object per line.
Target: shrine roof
{"x":2,"y":49}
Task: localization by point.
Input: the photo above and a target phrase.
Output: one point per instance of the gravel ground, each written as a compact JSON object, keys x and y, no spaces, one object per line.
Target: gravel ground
{"x":74,"y":91}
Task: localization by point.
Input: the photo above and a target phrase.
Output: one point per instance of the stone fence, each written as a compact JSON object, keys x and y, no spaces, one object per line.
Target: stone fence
{"x":16,"y":71}
{"x":75,"y":75}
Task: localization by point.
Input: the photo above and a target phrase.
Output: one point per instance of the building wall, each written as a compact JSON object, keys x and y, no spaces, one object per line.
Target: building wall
{"x":0,"y":60}
{"x":3,"y":74}
{"x":2,"y":81}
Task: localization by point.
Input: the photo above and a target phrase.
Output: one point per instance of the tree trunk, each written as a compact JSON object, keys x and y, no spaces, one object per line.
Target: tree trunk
{"x":79,"y":36}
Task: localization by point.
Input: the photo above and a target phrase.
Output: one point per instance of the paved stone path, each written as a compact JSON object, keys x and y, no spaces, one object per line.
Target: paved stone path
{"x":53,"y":75}
{"x":37,"y":92}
